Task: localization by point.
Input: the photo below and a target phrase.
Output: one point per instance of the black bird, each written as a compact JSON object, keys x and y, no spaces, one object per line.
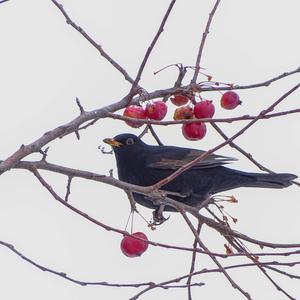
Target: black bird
{"x":144,"y":165}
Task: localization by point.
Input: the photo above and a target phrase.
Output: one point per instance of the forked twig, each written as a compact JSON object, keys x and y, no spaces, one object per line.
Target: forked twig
{"x":149,"y":50}
{"x":232,"y":282}
{"x":92,"y":41}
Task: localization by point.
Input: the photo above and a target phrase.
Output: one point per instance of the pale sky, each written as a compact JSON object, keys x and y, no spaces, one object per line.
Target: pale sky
{"x":45,"y":64}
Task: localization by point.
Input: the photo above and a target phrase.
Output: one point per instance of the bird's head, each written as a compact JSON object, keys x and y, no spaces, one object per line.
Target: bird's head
{"x":124,"y":142}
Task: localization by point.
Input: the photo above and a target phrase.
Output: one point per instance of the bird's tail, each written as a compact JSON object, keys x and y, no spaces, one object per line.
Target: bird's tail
{"x":275,"y":181}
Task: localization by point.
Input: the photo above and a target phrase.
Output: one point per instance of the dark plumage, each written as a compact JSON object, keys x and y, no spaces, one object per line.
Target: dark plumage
{"x":142,"y":164}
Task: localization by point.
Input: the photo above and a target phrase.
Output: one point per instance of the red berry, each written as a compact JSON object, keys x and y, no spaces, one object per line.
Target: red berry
{"x":156,"y":110}
{"x":179,"y":100}
{"x":184,"y":112}
{"x":132,"y":247}
{"x":134,"y":111}
{"x":230,"y":100}
{"x":194,"y":131}
{"x":204,"y":109}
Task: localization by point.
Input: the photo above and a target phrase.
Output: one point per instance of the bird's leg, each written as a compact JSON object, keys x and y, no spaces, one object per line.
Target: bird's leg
{"x":157,"y":200}
{"x":181,"y":195}
{"x":158,"y":217}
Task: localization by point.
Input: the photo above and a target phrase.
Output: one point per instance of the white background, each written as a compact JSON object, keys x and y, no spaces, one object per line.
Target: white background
{"x":45,"y":64}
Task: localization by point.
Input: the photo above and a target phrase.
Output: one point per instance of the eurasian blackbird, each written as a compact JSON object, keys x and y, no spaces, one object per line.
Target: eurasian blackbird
{"x":144,"y":165}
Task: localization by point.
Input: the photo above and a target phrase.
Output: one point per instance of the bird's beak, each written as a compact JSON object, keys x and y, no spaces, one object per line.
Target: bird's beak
{"x":112,"y":142}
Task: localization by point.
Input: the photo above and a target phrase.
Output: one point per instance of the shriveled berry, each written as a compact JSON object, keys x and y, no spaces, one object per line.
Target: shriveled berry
{"x":179,"y":100}
{"x":184,"y":112}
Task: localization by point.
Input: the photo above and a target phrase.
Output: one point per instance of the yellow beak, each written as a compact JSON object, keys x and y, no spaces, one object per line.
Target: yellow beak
{"x":112,"y":142}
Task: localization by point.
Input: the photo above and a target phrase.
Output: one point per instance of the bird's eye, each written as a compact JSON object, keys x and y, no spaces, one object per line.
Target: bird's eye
{"x":129,"y":141}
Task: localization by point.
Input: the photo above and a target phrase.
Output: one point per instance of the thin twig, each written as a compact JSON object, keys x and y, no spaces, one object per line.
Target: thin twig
{"x":92,"y":41}
{"x":204,"y":35}
{"x":200,"y":88}
{"x":131,"y":201}
{"x":232,"y":282}
{"x":152,"y":285}
{"x":58,"y":132}
{"x":149,"y":50}
{"x":292,"y":276}
{"x":68,"y":192}
{"x":218,"y":270}
{"x":192,"y":269}
{"x":88,"y":124}
{"x":63,"y":275}
{"x":243,"y":248}
{"x":245,"y":153}
{"x":155,"y":135}
{"x":81,"y":109}
{"x":205,"y":120}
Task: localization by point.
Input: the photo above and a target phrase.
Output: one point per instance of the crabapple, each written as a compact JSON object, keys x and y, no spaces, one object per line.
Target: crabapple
{"x":132,"y":247}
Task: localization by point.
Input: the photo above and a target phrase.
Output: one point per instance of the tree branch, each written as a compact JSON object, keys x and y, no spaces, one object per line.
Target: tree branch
{"x":192,"y":268}
{"x":221,"y":228}
{"x":93,"y":42}
{"x":205,"y":120}
{"x":204,"y":35}
{"x":221,"y":268}
{"x":149,"y":50}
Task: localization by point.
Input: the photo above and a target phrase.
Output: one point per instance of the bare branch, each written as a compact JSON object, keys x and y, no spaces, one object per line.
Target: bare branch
{"x":68,"y":192}
{"x":232,"y":282}
{"x":58,"y":132}
{"x":218,"y":270}
{"x":148,"y":52}
{"x":150,"y":48}
{"x":92,"y":41}
{"x":248,"y":155}
{"x":200,"y":88}
{"x":149,"y":285}
{"x":155,"y":136}
{"x":63,"y":275}
{"x":81,"y":109}
{"x":204,"y":35}
{"x":224,"y":230}
{"x":192,"y":269}
{"x":131,"y":201}
{"x":205,"y":120}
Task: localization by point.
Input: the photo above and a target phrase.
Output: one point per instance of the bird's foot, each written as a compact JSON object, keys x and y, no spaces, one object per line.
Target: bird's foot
{"x":181,"y":195}
{"x":158,"y":217}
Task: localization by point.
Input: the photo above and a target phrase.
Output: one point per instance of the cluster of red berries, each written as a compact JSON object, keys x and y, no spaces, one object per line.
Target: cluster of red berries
{"x":157,"y":110}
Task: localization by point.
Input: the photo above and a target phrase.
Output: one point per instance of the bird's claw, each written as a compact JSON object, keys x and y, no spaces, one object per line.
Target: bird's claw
{"x":181,"y":195}
{"x":158,"y":217}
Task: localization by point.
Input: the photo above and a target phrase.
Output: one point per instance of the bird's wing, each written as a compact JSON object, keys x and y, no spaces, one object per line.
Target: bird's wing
{"x":169,"y":157}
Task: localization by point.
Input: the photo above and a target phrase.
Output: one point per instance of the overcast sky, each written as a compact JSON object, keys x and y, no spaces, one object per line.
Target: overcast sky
{"x":45,"y":64}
